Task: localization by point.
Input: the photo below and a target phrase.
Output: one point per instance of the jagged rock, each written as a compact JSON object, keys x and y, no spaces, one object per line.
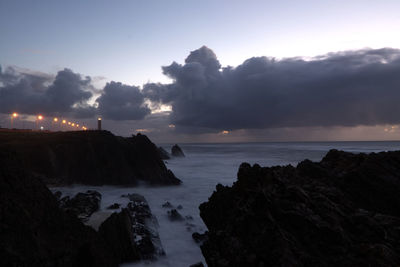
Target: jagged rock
{"x":114,"y":206}
{"x":34,"y":231}
{"x":199,"y":238}
{"x":342,"y":211}
{"x":179,"y":207}
{"x":82,"y":205}
{"x":57,"y":195}
{"x":199,"y":264}
{"x":144,"y":228}
{"x":163,"y":153}
{"x":176,"y":151}
{"x":89,"y":157}
{"x":167,"y":205}
{"x":174,"y":215}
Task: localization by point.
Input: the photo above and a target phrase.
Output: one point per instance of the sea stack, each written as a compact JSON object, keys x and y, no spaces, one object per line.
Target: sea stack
{"x":176,"y":151}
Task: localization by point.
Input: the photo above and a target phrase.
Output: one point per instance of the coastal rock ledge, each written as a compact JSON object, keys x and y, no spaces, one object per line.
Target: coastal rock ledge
{"x":89,"y":157}
{"x":341,"y":211}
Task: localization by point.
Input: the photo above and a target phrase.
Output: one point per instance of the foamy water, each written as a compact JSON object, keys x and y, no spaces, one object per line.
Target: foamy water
{"x":204,"y":166}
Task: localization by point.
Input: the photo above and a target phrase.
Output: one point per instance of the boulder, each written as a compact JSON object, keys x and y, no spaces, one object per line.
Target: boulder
{"x":176,"y":151}
{"x":114,"y":206}
{"x":342,"y":211}
{"x":174,"y":215}
{"x":82,"y":205}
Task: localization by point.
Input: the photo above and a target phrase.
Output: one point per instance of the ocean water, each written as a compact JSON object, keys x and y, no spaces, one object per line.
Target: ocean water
{"x":204,"y":166}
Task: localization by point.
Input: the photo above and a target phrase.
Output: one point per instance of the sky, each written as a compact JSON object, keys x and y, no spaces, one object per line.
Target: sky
{"x":206,"y":71}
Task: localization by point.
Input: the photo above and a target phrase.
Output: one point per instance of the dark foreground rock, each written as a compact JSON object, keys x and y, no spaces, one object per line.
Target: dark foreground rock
{"x":163,"y":153}
{"x":176,"y":151}
{"x":82,"y":205}
{"x":132,"y":233}
{"x":88,"y":157}
{"x":342,"y":211}
{"x":34,"y":231}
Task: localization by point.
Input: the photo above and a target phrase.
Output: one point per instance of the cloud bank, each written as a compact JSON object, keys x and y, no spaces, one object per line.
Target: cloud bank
{"x":339,"y":89}
{"x":350,"y":88}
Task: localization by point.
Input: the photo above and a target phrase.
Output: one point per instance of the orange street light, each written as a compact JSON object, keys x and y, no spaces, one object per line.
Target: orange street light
{"x":69,"y":123}
{"x":64,"y":121}
{"x":77,"y":125}
{"x":72,"y":124}
{"x":13,"y":116}
{"x":40,"y":117}
{"x":55,"y":119}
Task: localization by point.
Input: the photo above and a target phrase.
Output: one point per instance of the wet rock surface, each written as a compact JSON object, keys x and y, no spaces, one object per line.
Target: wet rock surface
{"x":82,"y":205}
{"x":176,"y":151}
{"x":342,"y":211}
{"x":34,"y":231}
{"x":132,"y":233}
{"x":89,"y":157}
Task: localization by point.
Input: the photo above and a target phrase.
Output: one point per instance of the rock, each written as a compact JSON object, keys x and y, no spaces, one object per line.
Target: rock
{"x":114,"y":206}
{"x":82,"y":205}
{"x":179,"y":207}
{"x":176,"y":151}
{"x":163,"y":153}
{"x":174,"y":215}
{"x":167,"y":205}
{"x":34,"y":231}
{"x":342,"y":211}
{"x":189,"y":218}
{"x":199,"y":238}
{"x":144,"y":228}
{"x":199,"y":264}
{"x":118,"y":233}
{"x":89,"y":157}
{"x":57,"y":195}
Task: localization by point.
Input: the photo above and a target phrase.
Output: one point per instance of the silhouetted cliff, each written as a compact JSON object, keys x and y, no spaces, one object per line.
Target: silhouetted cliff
{"x":342,"y":211}
{"x":88,"y":157}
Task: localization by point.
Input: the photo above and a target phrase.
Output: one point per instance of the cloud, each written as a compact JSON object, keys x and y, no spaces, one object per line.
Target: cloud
{"x":338,"y":89}
{"x":33,"y":92}
{"x":122,"y":102}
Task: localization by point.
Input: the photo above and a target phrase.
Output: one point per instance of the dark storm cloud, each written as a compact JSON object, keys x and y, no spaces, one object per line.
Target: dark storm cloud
{"x":32,"y":93}
{"x":122,"y":102}
{"x":338,"y":89}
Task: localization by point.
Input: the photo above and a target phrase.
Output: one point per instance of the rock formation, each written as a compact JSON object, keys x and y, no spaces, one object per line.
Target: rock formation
{"x":34,"y":231}
{"x":82,"y":205}
{"x":88,"y":157}
{"x":176,"y":151}
{"x":163,"y":153}
{"x":342,"y":211}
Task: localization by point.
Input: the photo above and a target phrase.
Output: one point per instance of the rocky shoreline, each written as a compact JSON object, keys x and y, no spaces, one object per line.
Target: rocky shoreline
{"x":342,"y":211}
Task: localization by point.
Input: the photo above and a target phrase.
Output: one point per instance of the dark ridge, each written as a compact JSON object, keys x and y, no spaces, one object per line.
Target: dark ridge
{"x":89,"y":157}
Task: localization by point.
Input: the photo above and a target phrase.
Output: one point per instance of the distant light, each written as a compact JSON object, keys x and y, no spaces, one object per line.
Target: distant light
{"x":64,"y":121}
{"x":77,"y":125}
{"x":225,"y":132}
{"x":72,"y":124}
{"x":99,"y":119}
{"x":15,"y":114}
{"x":69,"y":123}
{"x":55,"y":119}
{"x":171,"y":126}
{"x":41,"y":128}
{"x":40,"y":117}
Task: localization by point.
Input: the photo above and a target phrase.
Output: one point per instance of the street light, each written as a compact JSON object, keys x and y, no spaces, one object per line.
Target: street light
{"x":13,"y":116}
{"x":38,"y":118}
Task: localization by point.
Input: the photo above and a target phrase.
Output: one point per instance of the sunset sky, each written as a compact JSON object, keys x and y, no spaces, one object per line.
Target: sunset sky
{"x":206,"y":71}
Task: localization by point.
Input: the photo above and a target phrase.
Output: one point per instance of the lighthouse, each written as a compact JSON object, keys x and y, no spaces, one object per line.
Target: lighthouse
{"x":99,"y":124}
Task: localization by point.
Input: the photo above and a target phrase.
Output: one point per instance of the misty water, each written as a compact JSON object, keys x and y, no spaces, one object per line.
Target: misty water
{"x":204,"y":166}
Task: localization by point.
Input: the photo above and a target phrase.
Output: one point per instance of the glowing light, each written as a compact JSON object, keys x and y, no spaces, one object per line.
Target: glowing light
{"x":225,"y":132}
{"x":40,"y":117}
{"x":171,"y":126}
{"x":55,"y":119}
{"x":77,"y":125}
{"x":69,"y":123}
{"x":72,"y":124}
{"x":41,"y":128}
{"x":143,"y":130}
{"x":64,"y":121}
{"x":15,"y":115}
{"x":99,"y":119}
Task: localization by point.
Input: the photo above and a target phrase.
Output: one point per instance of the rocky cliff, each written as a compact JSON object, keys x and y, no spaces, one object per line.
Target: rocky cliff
{"x":88,"y":157}
{"x":342,"y":211}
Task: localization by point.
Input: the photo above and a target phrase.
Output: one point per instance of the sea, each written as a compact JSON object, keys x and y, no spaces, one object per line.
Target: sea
{"x":203,"y":167}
